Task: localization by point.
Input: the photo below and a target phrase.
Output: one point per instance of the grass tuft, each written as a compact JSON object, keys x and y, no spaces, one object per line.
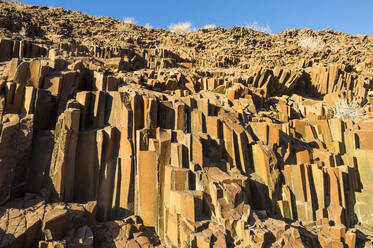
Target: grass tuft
{"x":182,"y":27}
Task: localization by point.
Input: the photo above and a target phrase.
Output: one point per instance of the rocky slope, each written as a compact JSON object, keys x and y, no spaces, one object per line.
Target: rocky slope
{"x":113,"y":135}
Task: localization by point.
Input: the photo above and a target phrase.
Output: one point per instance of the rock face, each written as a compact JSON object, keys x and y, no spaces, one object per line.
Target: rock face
{"x":112,"y":135}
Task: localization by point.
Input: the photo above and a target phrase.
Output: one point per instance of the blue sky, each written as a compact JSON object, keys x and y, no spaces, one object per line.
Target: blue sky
{"x":353,"y":16}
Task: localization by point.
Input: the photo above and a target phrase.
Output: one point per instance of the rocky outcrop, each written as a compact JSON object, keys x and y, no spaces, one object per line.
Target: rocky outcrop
{"x":141,"y":145}
{"x":30,"y":222}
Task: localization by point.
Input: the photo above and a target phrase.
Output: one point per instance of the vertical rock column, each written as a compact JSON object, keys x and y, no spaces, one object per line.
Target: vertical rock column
{"x":63,"y":158}
{"x":8,"y":145}
{"x":15,"y":150}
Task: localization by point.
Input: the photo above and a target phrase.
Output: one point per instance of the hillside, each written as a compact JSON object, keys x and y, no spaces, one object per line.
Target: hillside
{"x":115,"y":135}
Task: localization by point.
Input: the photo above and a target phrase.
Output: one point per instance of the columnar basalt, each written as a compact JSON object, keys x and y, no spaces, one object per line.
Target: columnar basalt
{"x":147,"y":138}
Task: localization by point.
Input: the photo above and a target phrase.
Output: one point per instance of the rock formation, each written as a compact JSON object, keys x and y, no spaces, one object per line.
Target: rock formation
{"x":113,"y":135}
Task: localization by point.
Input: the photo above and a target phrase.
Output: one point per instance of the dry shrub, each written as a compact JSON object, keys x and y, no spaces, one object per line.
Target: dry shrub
{"x":311,"y":43}
{"x":182,"y":27}
{"x":348,"y":110}
{"x":255,"y":26}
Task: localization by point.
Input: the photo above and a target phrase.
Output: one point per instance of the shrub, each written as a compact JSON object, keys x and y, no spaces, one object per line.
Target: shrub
{"x":129,"y":20}
{"x":255,"y":26}
{"x":148,"y":26}
{"x":126,"y":24}
{"x":209,"y":26}
{"x":311,"y":43}
{"x":348,"y":110}
{"x":181,"y":27}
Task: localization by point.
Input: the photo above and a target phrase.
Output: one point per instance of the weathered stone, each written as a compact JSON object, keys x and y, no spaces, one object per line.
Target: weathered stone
{"x":204,"y":146}
{"x":63,"y":157}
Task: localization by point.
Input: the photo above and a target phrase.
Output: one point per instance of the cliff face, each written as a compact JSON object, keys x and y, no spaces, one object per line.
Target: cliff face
{"x":113,"y":135}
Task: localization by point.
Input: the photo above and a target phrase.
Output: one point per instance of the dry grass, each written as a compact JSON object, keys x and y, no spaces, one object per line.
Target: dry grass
{"x":311,"y":43}
{"x":148,"y":26}
{"x":129,"y":20}
{"x":209,"y":26}
{"x":127,"y":24}
{"x":348,"y":110}
{"x":255,"y":26}
{"x":182,"y":27}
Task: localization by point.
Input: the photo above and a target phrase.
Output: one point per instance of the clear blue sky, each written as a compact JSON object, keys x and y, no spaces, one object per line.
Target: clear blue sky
{"x":350,"y":16}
